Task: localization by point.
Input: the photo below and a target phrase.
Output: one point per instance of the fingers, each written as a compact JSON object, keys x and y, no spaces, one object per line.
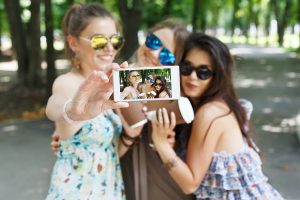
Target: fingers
{"x":124,"y":64}
{"x":55,"y":143}
{"x":171,"y":140}
{"x":114,"y":105}
{"x":55,"y":137}
{"x":173,"y":121}
{"x":165,"y":116}
{"x":160,"y":118}
{"x":144,"y":111}
{"x":103,"y":76}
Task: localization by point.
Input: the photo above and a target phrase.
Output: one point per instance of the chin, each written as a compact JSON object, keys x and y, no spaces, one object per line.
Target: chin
{"x":192,"y":94}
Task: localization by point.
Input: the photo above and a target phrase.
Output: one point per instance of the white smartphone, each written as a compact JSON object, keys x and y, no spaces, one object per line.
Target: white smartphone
{"x":147,"y":83}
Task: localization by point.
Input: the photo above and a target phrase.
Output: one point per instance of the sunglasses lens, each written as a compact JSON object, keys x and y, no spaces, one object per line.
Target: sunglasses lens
{"x":203,"y":72}
{"x":185,"y":69}
{"x":166,"y":57}
{"x":117,"y":42}
{"x":98,"y":42}
{"x":153,"y":42}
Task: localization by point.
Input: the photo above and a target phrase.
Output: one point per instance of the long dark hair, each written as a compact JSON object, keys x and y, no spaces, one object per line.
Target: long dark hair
{"x":221,"y":85}
{"x":163,"y":88}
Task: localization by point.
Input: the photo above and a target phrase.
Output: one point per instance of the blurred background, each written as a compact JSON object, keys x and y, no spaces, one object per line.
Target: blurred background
{"x":264,"y":36}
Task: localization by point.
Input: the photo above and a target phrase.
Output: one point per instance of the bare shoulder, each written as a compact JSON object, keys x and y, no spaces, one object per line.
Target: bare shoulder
{"x":163,"y":94}
{"x":212,"y":110}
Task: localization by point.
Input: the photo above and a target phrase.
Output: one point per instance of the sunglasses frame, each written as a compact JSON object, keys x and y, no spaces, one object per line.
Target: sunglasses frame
{"x":166,"y":57}
{"x":108,"y":39}
{"x":159,"y":84}
{"x":135,"y":76}
{"x":202,"y":71}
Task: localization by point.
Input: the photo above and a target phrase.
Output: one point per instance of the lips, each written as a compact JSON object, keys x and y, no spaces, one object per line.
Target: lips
{"x":105,"y":57}
{"x":191,"y":86}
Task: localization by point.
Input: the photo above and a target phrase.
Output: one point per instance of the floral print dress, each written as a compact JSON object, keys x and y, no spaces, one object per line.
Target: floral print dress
{"x":236,"y":176}
{"x":88,"y":165}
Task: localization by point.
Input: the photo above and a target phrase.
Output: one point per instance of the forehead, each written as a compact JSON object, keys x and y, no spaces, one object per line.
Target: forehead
{"x":198,"y":57}
{"x":166,"y":35}
{"x":100,"y":25}
{"x":134,"y":73}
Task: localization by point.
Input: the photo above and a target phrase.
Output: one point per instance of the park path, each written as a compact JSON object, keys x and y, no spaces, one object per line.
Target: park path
{"x":268,"y":77}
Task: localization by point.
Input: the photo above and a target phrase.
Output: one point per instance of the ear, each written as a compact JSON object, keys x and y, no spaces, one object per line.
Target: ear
{"x":73,"y":42}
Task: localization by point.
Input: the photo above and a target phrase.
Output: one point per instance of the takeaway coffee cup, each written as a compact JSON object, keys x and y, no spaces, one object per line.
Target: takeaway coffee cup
{"x":182,"y":109}
{"x":135,"y":117}
{"x":134,"y":114}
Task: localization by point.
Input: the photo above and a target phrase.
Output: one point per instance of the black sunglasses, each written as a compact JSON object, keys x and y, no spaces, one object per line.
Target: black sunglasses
{"x":202,"y":71}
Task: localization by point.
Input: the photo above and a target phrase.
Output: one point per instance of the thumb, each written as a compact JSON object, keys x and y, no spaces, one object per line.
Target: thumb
{"x":124,"y":64}
{"x":103,"y":76}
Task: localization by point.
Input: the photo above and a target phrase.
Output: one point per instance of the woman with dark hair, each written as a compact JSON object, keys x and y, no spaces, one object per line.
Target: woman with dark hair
{"x":221,"y":161}
{"x":160,"y":87}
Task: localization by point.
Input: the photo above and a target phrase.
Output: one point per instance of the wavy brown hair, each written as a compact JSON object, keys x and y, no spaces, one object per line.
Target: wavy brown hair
{"x":221,"y":85}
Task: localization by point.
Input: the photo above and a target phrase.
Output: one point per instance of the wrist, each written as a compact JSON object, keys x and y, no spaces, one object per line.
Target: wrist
{"x":160,"y":142}
{"x":127,"y":140}
{"x":67,"y":114}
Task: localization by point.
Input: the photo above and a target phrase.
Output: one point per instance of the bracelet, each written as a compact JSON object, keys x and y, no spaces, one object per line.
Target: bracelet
{"x":171,"y":163}
{"x":129,"y":137}
{"x":122,"y":138}
{"x":65,"y":115}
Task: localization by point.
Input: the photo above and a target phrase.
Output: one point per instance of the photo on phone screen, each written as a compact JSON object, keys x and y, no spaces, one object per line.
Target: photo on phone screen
{"x":147,"y":83}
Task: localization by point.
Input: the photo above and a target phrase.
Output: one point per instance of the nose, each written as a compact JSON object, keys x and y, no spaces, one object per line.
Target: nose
{"x":109,"y":47}
{"x":155,"y":53}
{"x":193,"y":75}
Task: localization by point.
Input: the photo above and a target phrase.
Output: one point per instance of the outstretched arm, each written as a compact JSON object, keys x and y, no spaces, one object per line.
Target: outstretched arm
{"x":188,"y":175}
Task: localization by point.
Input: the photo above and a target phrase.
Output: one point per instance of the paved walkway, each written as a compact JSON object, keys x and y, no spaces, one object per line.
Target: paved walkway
{"x":269,"y":78}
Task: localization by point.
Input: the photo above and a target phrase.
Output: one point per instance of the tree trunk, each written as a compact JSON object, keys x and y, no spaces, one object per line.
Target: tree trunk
{"x":234,"y":18}
{"x":268,"y":22}
{"x":17,"y":34}
{"x":131,"y":17}
{"x":1,"y":19}
{"x":249,"y":20}
{"x":167,"y":8}
{"x":299,"y":23}
{"x":281,"y":20}
{"x":70,"y":2}
{"x":195,"y":14}
{"x":34,"y":45}
{"x":50,"y":52}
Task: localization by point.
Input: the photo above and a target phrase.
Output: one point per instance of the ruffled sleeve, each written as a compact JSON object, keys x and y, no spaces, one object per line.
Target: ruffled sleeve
{"x":235,"y":176}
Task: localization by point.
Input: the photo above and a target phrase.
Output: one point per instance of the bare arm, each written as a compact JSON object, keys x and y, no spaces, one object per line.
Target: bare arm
{"x":164,"y":94}
{"x":90,"y":97}
{"x":131,"y":132}
{"x":64,"y":87}
{"x":188,"y":175}
{"x":125,"y":93}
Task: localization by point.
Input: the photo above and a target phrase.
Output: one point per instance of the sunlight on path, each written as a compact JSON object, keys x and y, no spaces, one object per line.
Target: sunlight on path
{"x":13,"y":66}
